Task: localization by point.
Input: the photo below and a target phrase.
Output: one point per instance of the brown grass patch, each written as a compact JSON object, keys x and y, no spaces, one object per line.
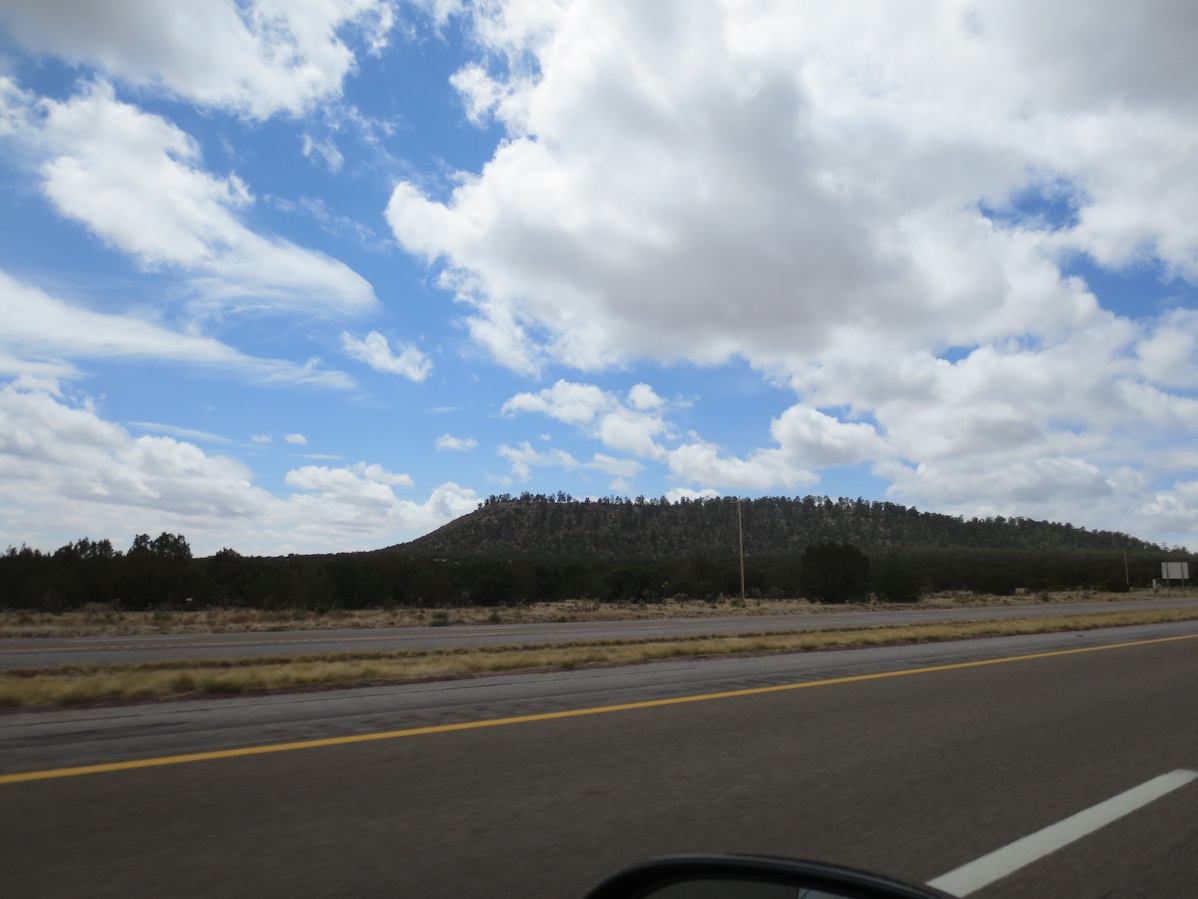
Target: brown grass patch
{"x":99,"y":620}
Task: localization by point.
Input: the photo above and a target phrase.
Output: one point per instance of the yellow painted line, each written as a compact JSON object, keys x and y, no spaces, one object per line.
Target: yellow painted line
{"x":547,"y":716}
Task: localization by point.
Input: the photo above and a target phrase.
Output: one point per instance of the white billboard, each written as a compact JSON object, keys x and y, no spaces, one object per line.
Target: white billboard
{"x":1175,"y":571}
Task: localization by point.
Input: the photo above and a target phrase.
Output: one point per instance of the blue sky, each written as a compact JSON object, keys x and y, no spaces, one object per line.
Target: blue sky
{"x":314,"y":276}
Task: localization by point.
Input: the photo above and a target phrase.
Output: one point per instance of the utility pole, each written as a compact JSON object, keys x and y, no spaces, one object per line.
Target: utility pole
{"x":740,"y":531}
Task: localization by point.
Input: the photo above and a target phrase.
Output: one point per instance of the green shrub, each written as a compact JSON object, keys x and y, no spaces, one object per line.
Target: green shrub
{"x":897,"y":582}
{"x":834,"y":572}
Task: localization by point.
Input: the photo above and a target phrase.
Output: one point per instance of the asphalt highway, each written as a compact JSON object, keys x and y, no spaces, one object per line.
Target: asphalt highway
{"x":48,"y":652}
{"x":913,"y":761}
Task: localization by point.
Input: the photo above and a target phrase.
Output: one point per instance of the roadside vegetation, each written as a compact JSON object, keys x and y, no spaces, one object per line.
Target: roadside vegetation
{"x":106,"y":620}
{"x":68,"y":685}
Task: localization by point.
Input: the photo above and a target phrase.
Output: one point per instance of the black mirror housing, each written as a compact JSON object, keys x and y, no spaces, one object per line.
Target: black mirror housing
{"x":750,"y":876}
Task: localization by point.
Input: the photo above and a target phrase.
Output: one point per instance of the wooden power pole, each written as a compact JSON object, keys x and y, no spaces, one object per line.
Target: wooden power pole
{"x":740,"y":532}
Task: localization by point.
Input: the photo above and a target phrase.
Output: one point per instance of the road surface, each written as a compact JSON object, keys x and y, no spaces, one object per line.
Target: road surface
{"x":866,"y":757}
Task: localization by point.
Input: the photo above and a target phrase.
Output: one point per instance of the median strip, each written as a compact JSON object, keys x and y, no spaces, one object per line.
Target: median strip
{"x":80,"y":684}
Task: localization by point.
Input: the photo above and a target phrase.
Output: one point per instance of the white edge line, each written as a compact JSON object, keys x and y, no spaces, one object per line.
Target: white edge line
{"x":1010,"y":858}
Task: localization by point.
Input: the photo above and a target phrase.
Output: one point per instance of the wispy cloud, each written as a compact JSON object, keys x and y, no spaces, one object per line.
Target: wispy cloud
{"x":175,"y":431}
{"x":375,"y":351}
{"x":35,"y":326}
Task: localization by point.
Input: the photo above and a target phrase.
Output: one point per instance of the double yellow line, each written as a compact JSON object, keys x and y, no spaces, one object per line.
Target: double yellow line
{"x":135,"y":764}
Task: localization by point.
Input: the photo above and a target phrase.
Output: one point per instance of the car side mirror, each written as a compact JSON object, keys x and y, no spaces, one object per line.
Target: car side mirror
{"x":751,"y":877}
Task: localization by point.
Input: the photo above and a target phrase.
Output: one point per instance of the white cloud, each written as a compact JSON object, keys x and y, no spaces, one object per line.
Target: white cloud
{"x":524,"y":459}
{"x":360,"y":501}
{"x":36,"y":327}
{"x":565,"y":401}
{"x":807,"y":438}
{"x":821,"y":441}
{"x":322,"y":148}
{"x":703,"y":463}
{"x":340,"y":226}
{"x":374,"y":350}
{"x":1169,"y":349}
{"x":642,"y":398}
{"x":177,"y":431}
{"x":457,"y":444}
{"x":1174,"y":512}
{"x":260,"y":438}
{"x":633,"y":432}
{"x":440,"y":10}
{"x":296,"y":439}
{"x":368,"y":480}
{"x":66,"y":472}
{"x":136,"y":181}
{"x":14,"y":107}
{"x":255,"y":58}
{"x":600,"y":414}
{"x":64,"y":469}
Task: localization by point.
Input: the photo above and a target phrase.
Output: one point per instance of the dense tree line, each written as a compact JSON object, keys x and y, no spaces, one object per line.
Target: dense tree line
{"x":558,"y":525}
{"x":161,"y":573}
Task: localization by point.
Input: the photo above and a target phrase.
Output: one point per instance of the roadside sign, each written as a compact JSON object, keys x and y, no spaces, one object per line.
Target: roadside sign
{"x":1175,"y":571}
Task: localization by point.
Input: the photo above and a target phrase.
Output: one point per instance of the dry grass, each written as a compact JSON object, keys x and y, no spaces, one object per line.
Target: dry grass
{"x":34,"y":688}
{"x":103,"y":621}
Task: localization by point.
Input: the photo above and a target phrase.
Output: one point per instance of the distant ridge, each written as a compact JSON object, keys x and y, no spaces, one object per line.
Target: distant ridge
{"x":559,"y":526}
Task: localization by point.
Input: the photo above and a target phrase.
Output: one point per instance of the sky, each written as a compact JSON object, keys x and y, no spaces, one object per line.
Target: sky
{"x":296,"y":276}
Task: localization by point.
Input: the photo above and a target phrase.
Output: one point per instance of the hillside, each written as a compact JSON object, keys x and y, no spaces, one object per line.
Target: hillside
{"x":539,"y":548}
{"x":539,"y":526}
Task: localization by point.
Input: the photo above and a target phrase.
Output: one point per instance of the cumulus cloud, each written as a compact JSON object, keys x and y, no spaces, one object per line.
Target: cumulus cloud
{"x":374,"y":350}
{"x":721,"y":201}
{"x":65,"y":471}
{"x":632,"y":428}
{"x":61,"y":464}
{"x":632,"y":431}
{"x":456,"y":444}
{"x":254,"y":58}
{"x":136,"y":181}
{"x":703,"y":463}
{"x":296,"y":439}
{"x":565,"y":401}
{"x":360,"y":500}
{"x":642,"y":398}
{"x":770,"y":175}
{"x":822,"y":441}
